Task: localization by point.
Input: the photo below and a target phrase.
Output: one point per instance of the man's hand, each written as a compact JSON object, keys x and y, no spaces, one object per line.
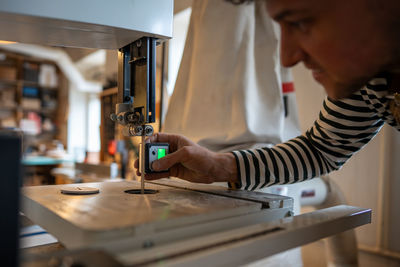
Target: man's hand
{"x":191,"y":162}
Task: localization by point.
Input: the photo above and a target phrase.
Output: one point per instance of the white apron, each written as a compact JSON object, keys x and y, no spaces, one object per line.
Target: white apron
{"x":228,"y":93}
{"x":230,"y":86}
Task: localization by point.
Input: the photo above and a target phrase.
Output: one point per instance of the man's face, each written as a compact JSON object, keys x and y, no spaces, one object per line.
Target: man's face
{"x":340,"y":41}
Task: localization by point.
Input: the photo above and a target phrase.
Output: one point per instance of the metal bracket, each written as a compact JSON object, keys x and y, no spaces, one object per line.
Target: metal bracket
{"x":136,"y":87}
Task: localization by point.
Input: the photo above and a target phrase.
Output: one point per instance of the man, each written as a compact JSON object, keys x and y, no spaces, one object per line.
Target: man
{"x":347,"y":45}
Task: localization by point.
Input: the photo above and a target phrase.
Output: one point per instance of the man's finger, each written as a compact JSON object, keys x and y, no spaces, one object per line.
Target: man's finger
{"x":170,"y":160}
{"x":155,"y":176}
{"x":161,"y":138}
{"x":152,"y":139}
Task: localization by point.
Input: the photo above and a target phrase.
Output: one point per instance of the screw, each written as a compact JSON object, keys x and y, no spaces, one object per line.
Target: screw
{"x":138,"y":130}
{"x":148,"y":130}
{"x":131,"y":117}
{"x":113,"y":116}
{"x":289,"y":214}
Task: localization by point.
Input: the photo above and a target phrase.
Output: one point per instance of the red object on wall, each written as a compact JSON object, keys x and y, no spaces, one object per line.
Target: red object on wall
{"x":112,"y":147}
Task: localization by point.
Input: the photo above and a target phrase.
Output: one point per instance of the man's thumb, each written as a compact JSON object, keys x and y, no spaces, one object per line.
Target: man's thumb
{"x":166,"y":162}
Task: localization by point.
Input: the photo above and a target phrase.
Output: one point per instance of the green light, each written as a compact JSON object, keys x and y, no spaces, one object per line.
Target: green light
{"x":160,"y":153}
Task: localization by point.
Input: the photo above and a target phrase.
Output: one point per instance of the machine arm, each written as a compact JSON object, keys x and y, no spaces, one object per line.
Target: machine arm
{"x":136,"y":91}
{"x":136,"y":87}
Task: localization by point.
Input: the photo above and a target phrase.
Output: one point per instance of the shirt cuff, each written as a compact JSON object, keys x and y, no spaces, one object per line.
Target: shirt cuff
{"x":239,"y":183}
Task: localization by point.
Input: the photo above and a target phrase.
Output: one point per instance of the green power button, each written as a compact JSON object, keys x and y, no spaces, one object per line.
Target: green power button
{"x":160,"y":153}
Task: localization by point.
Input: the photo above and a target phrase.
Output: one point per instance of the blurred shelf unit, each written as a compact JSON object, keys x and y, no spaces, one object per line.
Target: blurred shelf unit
{"x":108,"y":128}
{"x":30,"y":94}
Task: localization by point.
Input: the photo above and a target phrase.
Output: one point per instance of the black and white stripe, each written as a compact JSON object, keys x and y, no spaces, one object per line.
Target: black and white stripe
{"x":342,"y":129}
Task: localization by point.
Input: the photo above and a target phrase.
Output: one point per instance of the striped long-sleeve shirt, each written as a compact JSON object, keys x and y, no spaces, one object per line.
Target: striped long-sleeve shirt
{"x":342,"y":129}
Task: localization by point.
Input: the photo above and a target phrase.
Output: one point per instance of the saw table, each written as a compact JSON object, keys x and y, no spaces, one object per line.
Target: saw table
{"x":182,"y":223}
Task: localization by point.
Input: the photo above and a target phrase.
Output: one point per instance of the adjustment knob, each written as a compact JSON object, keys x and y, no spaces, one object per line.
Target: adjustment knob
{"x":113,"y":117}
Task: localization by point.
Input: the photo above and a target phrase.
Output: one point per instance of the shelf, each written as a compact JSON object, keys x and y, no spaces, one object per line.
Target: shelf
{"x":8,"y":108}
{"x":48,"y":88}
{"x":17,"y":73}
{"x":109,"y":91}
{"x":27,"y":83}
{"x":30,"y":109}
{"x":36,"y":84}
{"x":8,"y":63}
{"x":9,"y":82}
{"x":41,"y":110}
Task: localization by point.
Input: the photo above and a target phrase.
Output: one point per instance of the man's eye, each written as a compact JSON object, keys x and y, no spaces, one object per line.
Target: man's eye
{"x":300,"y":25}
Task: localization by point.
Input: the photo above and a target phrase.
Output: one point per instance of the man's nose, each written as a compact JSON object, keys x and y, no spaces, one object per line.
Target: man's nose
{"x":291,"y":52}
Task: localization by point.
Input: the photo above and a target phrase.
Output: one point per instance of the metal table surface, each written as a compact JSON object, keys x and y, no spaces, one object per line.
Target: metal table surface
{"x":183,"y":224}
{"x":83,"y":220}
